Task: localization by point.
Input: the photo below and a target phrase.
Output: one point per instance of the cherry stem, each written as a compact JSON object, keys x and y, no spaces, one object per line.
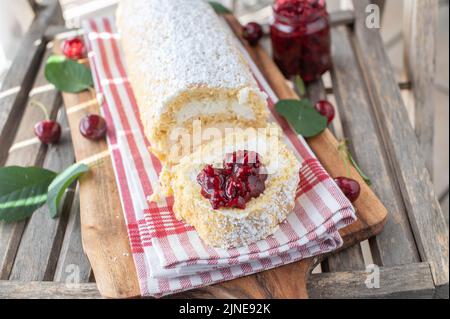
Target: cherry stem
{"x":343,"y":150}
{"x":300,"y":86}
{"x":93,"y":92}
{"x":82,"y":60}
{"x":42,"y":107}
{"x":348,"y":159}
{"x":96,"y":163}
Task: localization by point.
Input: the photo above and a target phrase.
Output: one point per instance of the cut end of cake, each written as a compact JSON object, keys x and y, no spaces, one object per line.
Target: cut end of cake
{"x":234,"y":227}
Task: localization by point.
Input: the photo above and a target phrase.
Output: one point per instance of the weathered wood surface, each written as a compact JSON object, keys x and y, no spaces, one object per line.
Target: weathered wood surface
{"x":380,"y":3}
{"x":33,"y":4}
{"x":284,"y":282}
{"x":395,"y":244}
{"x":424,"y":212}
{"x":344,"y":17}
{"x":105,"y":238}
{"x":47,"y":290}
{"x":348,"y":259}
{"x":407,"y":281}
{"x":73,"y":264}
{"x":39,"y":248}
{"x":351,"y":258}
{"x":420,"y":36}
{"x":26,"y":151}
{"x":19,"y":80}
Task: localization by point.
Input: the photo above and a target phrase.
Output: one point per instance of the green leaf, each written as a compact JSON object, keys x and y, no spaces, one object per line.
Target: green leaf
{"x":22,"y":191}
{"x":61,"y":183}
{"x":67,"y":75}
{"x":219,"y":8}
{"x":303,"y":117}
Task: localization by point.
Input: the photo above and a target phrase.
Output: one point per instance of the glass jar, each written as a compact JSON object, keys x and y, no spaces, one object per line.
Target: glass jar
{"x":301,"y":41}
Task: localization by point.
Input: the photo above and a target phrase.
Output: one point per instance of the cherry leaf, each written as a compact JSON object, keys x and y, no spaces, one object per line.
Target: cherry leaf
{"x":67,"y":75}
{"x":303,"y":117}
{"x":22,"y":191}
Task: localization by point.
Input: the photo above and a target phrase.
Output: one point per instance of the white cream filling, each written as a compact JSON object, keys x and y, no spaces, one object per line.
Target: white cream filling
{"x":240,"y":106}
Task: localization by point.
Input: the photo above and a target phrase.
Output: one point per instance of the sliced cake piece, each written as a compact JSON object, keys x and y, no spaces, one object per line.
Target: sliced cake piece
{"x":184,"y":66}
{"x":235,"y":193}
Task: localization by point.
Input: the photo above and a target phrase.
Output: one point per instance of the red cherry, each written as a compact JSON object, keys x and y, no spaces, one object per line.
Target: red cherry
{"x":349,"y":187}
{"x":326,"y":109}
{"x":252,"y":32}
{"x":241,"y":179}
{"x":93,"y":127}
{"x":48,"y":131}
{"x":74,"y":48}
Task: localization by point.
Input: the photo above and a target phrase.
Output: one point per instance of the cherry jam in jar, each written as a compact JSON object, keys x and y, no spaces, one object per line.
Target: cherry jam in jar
{"x":301,"y":41}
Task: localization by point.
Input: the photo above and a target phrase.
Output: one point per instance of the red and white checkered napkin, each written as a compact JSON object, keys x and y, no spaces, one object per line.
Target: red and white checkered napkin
{"x":169,"y":255}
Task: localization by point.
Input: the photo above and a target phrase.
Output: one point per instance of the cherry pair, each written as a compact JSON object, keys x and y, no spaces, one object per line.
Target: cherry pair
{"x":92,"y":127}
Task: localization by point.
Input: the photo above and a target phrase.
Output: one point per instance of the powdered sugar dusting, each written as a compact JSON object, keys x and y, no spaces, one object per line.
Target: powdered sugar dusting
{"x":179,"y":44}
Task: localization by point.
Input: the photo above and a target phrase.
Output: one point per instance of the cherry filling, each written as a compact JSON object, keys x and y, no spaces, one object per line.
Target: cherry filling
{"x":242,"y":178}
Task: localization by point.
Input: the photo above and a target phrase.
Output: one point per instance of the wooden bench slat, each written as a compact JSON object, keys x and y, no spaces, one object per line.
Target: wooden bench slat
{"x":47,"y":290}
{"x":26,"y":151}
{"x":39,"y":248}
{"x":72,"y":260}
{"x":407,"y":281}
{"x":420,"y":36}
{"x":351,"y":257}
{"x":346,"y":260}
{"x":110,"y":238}
{"x":425,"y":215}
{"x":395,"y":244}
{"x":342,"y":17}
{"x":20,"y":77}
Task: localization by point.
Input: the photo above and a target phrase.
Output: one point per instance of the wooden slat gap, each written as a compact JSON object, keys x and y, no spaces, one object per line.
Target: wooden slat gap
{"x":402,"y":86}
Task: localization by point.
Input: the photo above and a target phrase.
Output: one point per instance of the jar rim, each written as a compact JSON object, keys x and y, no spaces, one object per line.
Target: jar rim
{"x":297,"y":19}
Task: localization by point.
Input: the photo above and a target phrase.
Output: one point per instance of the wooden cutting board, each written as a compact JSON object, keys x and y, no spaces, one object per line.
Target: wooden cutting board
{"x":104,"y":234}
